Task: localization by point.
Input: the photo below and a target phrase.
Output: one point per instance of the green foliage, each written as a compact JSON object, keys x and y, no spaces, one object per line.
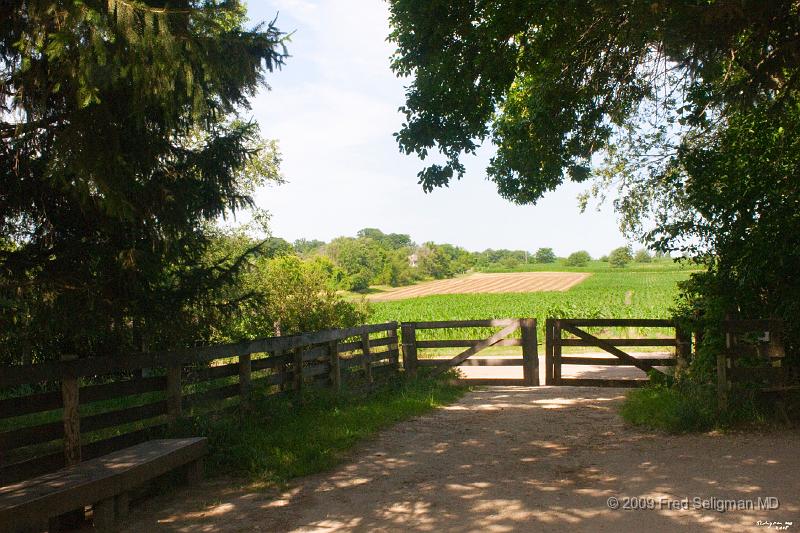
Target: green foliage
{"x":688,"y":406}
{"x":671,"y":409}
{"x":478,"y":72}
{"x":620,"y":257}
{"x":545,"y":255}
{"x":311,"y":435}
{"x":743,"y":184}
{"x":122,"y":142}
{"x":390,"y":241}
{"x":434,"y":262}
{"x":307,"y":246}
{"x":578,"y":259}
{"x":361,"y":259}
{"x":642,"y":256}
{"x":270,"y":295}
{"x":695,"y":108}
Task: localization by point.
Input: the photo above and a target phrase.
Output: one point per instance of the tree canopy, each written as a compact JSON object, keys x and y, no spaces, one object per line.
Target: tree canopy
{"x":123,"y":140}
{"x":550,"y":83}
{"x":692,"y":107}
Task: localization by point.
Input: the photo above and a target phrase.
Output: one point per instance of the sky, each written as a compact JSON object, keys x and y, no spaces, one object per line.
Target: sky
{"x":333,"y":109}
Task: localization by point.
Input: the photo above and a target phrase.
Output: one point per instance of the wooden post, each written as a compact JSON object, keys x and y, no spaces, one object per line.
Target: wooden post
{"x":245,"y":370}
{"x":530,"y":354}
{"x":336,"y":368}
{"x":548,"y":352}
{"x":174,"y":394}
{"x":367,"y":357}
{"x":72,"y":420}
{"x":722,"y":373}
{"x":394,"y":359}
{"x":683,"y":349}
{"x":556,"y":352}
{"x":298,"y":369}
{"x":409,"y":332}
{"x":283,"y":369}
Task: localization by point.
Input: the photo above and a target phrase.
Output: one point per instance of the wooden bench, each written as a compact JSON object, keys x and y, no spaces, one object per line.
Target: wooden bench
{"x":104,"y":483}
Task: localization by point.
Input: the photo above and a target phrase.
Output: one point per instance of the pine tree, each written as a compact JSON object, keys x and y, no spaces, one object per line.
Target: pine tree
{"x":121,"y":142}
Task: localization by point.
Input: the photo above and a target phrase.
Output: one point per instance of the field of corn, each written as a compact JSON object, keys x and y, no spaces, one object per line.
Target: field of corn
{"x":639,"y":291}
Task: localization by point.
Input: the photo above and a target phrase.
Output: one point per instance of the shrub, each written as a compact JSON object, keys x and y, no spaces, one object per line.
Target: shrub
{"x":643,"y":256}
{"x":677,"y":409}
{"x":620,"y":257}
{"x":578,"y":259}
{"x":545,"y":255}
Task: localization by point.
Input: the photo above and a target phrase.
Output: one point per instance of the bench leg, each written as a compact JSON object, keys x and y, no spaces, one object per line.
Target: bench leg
{"x":103,"y":515}
{"x":67,"y":521}
{"x":194,"y":471}
{"x":122,"y":504}
{"x":780,"y":409}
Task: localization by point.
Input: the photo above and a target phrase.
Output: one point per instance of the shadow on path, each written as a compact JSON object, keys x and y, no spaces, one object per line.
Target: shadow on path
{"x":510,"y":459}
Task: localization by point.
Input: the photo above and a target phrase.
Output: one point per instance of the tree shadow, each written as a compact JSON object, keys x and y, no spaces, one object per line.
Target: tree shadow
{"x":507,"y":459}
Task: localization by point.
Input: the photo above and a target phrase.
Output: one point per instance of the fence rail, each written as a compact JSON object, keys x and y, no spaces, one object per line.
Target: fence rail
{"x":555,"y":340}
{"x":84,"y":408}
{"x":529,"y":360}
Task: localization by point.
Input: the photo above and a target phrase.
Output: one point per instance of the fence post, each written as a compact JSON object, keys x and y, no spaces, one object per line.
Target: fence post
{"x":548,"y":351}
{"x":722,"y":373}
{"x":282,"y":369}
{"x":367,"y":356}
{"x":336,"y":368}
{"x":409,"y":332}
{"x":245,"y":369}
{"x":298,"y":369}
{"x":394,"y":359}
{"x":72,"y":420}
{"x":683,"y":349}
{"x":174,"y":396}
{"x":556,"y":352}
{"x":530,"y":353}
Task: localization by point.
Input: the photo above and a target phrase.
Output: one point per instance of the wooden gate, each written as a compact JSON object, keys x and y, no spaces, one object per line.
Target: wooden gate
{"x":555,"y":341}
{"x":529,"y":360}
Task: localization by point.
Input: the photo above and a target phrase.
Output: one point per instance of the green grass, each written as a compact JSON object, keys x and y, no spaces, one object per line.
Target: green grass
{"x":277,"y":439}
{"x":690,"y":407}
{"x":670,"y":409}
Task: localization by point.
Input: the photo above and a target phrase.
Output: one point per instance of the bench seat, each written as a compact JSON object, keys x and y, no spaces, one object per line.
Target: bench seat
{"x":27,"y":505}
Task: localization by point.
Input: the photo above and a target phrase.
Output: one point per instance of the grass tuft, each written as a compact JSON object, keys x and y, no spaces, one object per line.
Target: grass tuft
{"x":690,"y":407}
{"x":279,"y":438}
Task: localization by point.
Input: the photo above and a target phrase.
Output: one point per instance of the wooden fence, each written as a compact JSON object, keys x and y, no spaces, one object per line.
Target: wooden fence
{"x":555,"y":340}
{"x":529,"y":360}
{"x":62,"y":412}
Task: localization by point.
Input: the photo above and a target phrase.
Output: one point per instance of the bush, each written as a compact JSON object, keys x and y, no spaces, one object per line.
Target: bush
{"x":545,"y":255}
{"x":603,"y":258}
{"x":620,"y":257}
{"x":643,"y":256}
{"x":689,"y":405}
{"x":671,"y":409}
{"x":578,"y":259}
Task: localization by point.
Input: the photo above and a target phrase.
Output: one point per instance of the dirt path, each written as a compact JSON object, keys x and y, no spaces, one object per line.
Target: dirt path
{"x":511,"y":459}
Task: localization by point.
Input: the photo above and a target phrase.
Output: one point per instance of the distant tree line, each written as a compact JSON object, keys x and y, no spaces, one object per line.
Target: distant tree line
{"x":373,"y":257}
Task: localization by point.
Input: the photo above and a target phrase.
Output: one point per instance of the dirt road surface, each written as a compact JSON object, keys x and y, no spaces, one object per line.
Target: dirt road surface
{"x":514,"y":459}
